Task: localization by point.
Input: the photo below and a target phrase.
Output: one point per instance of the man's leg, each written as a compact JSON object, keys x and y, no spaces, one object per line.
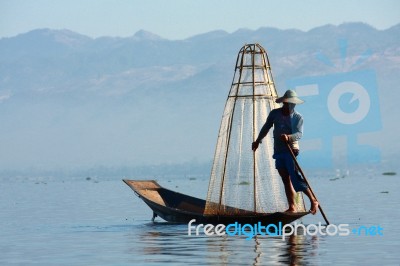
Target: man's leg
{"x":297,"y":184}
{"x":313,"y":201}
{"x":289,"y":190}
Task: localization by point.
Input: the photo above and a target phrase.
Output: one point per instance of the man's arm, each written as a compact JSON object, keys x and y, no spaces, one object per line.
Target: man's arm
{"x":264,"y":131}
{"x":297,"y":129}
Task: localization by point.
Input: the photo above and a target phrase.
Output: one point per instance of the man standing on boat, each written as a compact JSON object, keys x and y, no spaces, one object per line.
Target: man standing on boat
{"x":288,"y":128}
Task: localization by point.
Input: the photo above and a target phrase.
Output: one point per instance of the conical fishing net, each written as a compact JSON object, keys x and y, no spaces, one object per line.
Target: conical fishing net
{"x":243,"y":181}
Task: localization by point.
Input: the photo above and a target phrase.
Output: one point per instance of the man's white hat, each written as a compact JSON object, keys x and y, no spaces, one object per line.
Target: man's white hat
{"x":290,"y":96}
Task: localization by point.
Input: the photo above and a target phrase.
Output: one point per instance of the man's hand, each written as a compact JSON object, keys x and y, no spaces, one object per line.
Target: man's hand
{"x":284,"y":138}
{"x":254,"y":145}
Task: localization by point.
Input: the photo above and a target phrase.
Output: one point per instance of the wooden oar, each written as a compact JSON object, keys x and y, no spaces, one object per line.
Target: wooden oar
{"x":308,"y":184}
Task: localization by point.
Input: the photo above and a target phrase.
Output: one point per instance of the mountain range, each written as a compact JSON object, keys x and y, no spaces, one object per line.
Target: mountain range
{"x":68,"y":101}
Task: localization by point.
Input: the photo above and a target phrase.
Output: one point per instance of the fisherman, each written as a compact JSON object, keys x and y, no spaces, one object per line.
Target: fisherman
{"x":288,"y":128}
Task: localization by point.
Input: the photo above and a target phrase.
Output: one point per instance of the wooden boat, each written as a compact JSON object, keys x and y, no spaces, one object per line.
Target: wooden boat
{"x":180,"y":208}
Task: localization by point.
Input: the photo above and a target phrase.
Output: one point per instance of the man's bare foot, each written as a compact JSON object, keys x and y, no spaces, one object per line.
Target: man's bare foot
{"x":314,"y":207}
{"x":291,"y":210}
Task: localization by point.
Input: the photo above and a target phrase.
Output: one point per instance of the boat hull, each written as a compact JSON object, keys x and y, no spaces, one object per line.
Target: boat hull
{"x":180,"y":208}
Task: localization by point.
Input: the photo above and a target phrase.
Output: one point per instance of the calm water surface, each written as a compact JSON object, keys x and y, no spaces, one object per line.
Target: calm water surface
{"x":104,"y":223}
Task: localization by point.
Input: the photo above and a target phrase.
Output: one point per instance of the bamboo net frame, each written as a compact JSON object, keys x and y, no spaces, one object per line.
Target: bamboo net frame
{"x":243,"y":181}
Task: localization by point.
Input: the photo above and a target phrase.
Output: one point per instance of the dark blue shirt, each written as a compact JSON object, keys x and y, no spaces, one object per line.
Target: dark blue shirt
{"x":291,"y":125}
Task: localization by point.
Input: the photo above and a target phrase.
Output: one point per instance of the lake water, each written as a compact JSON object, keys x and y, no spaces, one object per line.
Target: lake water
{"x":105,"y":223}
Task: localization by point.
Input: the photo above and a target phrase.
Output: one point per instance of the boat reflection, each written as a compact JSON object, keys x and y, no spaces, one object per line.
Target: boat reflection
{"x":161,"y":243}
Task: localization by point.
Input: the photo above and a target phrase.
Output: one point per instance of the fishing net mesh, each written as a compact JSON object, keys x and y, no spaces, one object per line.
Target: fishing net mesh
{"x":243,"y":181}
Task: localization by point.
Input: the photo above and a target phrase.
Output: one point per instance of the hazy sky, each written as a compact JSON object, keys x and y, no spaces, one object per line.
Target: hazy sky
{"x":179,"y":19}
